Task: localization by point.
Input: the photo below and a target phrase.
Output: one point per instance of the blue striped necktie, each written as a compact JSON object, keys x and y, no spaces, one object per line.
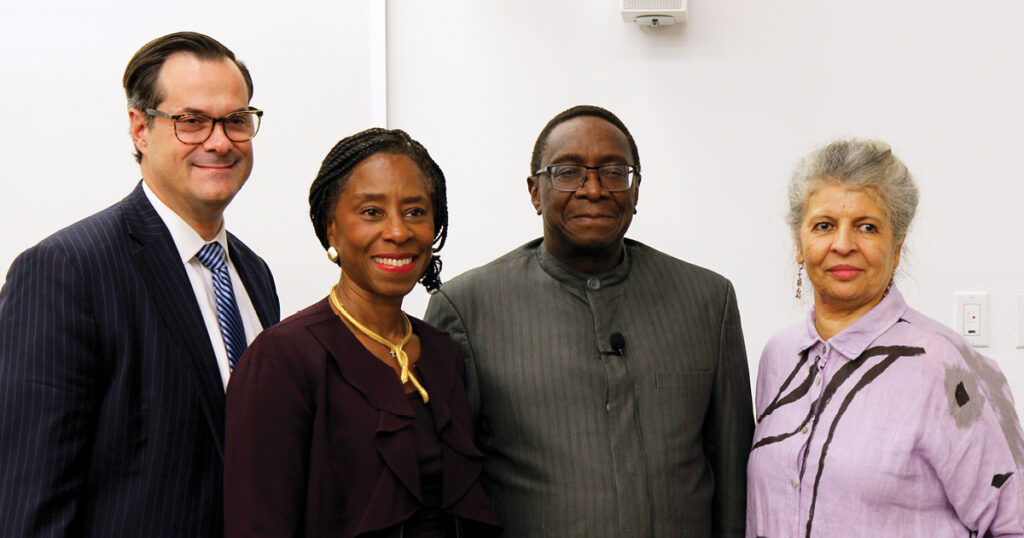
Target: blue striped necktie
{"x":231,"y":328}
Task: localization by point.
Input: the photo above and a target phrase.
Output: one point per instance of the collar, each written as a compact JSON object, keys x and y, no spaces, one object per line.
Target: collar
{"x":575,"y":279}
{"x":186,"y":240}
{"x":853,"y":340}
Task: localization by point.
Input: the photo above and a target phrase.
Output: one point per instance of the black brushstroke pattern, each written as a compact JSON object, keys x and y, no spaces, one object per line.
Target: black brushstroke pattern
{"x":961,"y":394}
{"x":1000,"y":479}
{"x":800,"y":390}
{"x":841,"y":375}
{"x":892,"y":354}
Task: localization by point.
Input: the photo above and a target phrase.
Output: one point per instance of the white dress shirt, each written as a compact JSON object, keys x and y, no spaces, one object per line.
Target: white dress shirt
{"x":188,"y":243}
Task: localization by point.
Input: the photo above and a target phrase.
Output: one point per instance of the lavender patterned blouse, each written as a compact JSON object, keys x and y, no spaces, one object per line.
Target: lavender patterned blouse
{"x":893,"y":427}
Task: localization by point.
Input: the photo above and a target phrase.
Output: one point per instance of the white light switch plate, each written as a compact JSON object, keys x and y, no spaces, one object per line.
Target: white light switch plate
{"x":971,"y":317}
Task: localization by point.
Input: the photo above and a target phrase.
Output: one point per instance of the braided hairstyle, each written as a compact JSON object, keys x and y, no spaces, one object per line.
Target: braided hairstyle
{"x":336,"y":170}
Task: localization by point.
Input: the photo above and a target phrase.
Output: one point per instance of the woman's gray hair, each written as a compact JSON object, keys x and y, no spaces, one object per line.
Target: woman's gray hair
{"x":866,"y":165}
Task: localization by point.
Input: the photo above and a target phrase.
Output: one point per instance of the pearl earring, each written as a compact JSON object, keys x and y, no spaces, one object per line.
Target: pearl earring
{"x":332,"y":254}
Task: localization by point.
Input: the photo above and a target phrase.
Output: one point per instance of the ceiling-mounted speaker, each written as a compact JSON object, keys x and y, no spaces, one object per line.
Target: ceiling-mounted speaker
{"x":653,"y":12}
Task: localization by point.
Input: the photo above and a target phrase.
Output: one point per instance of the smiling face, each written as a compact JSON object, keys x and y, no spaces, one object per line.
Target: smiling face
{"x":846,"y":244}
{"x":584,"y":229}
{"x":196,"y":181}
{"x":383,"y":229}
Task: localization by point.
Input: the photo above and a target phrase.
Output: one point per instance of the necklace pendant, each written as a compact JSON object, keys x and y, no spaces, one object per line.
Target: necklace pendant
{"x":392,"y":352}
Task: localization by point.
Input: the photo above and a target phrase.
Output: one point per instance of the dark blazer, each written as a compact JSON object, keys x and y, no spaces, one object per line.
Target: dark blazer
{"x":111,"y":401}
{"x":320,"y":439}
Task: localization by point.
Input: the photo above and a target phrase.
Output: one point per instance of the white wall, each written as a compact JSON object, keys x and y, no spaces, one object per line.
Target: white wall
{"x":720,"y":108}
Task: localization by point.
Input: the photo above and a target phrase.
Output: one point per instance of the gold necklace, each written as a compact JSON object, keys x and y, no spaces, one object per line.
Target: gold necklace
{"x":396,"y":349}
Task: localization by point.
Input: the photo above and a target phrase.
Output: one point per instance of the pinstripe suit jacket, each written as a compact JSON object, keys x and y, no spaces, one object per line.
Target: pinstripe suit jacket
{"x":582,"y":440}
{"x":111,"y":402}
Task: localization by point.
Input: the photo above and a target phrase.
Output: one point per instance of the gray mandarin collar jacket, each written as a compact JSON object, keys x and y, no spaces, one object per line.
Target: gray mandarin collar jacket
{"x":583,"y":441}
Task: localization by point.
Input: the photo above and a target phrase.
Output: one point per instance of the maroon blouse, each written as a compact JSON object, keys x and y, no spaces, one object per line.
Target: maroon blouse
{"x":320,"y":436}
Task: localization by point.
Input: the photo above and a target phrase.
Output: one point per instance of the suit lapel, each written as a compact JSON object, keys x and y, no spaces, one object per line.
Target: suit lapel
{"x":160,"y":267}
{"x":260,"y":290}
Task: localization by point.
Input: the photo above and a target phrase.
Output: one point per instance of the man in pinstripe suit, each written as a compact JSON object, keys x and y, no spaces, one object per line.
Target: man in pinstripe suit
{"x":112,"y":360}
{"x":608,"y":380}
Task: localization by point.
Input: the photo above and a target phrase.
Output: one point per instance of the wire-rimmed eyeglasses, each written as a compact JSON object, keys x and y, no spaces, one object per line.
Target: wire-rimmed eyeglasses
{"x":570,"y":177}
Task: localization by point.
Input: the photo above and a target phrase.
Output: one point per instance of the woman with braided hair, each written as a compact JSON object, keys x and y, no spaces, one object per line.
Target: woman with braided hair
{"x":350,"y":418}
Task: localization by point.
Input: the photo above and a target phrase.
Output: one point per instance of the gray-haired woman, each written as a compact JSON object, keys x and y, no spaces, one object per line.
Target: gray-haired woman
{"x":874,"y":420}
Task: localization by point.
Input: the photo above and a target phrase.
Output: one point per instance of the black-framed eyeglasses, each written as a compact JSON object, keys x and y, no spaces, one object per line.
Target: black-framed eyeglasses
{"x":570,"y":177}
{"x":191,"y":128}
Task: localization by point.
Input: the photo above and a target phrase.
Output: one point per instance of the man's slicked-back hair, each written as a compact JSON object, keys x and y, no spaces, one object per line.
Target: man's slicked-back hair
{"x":575,"y":112}
{"x":336,"y":171}
{"x":143,"y":71}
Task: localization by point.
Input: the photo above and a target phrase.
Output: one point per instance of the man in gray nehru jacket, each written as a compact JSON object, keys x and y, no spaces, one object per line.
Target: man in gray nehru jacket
{"x":608,"y":380}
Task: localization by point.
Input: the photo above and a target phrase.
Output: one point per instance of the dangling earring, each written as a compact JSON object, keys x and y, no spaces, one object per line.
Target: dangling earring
{"x":889,"y":285}
{"x":799,"y":280}
{"x":332,"y":254}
